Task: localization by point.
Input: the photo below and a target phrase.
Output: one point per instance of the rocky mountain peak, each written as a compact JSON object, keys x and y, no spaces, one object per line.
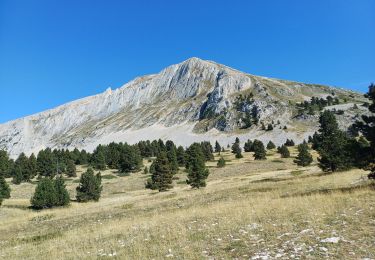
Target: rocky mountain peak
{"x":190,"y":101}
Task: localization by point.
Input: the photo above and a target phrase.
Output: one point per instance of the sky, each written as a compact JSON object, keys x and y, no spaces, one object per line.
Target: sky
{"x":53,"y":51}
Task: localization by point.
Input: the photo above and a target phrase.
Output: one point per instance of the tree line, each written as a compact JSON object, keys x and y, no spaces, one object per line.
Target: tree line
{"x":338,"y":150}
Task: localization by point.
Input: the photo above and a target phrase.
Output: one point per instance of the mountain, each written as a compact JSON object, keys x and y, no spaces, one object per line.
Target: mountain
{"x":192,"y":101}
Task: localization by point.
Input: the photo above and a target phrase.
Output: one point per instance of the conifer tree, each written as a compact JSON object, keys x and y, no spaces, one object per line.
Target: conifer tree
{"x":269,"y":127}
{"x":181,"y":156}
{"x":332,"y":144}
{"x":197,"y":171}
{"x":145,"y":170}
{"x":236,"y":149}
{"x":172,"y":156}
{"x":4,"y":189}
{"x":271,"y":145}
{"x":367,"y":128}
{"x":45,"y":195}
{"x":259,"y":150}
{"x":71,"y":169}
{"x":248,"y":147}
{"x":62,"y":195}
{"x":303,"y":158}
{"x":217,"y":147}
{"x":98,"y":160}
{"x":162,"y":175}
{"x":33,"y":166}
{"x":130,"y":159}
{"x":5,"y":164}
{"x":90,"y":187}
{"x":221,"y":162}
{"x":46,"y":163}
{"x":284,"y":151}
{"x":17,"y":175}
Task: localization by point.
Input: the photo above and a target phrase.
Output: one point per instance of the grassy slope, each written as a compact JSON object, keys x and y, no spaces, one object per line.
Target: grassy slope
{"x":249,"y":209}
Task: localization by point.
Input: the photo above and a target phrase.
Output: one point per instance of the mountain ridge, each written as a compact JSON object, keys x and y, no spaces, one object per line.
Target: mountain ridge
{"x":196,"y":96}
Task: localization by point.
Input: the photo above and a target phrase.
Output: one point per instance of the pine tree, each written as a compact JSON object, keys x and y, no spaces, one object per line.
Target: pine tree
{"x":162,"y":175}
{"x":71,"y":169}
{"x":23,"y":166}
{"x":197,"y":171}
{"x":90,"y":187}
{"x":221,"y":162}
{"x":98,"y":160}
{"x":46,"y":163}
{"x":181,"y":156}
{"x":332,"y":144}
{"x":217,"y":147}
{"x":62,"y":195}
{"x":248,"y":147}
{"x":303,"y":158}
{"x":5,"y":164}
{"x":259,"y":150}
{"x":4,"y":189}
{"x":284,"y":151}
{"x":271,"y":145}
{"x":172,"y":156}
{"x":45,"y":195}
{"x":236,"y":149}
{"x":130,"y":159}
{"x":367,"y":128}
{"x":33,"y":166}
{"x":17,"y":175}
{"x":145,"y":170}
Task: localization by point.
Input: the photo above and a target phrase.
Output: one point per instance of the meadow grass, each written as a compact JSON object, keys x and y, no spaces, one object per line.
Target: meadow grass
{"x":249,"y":209}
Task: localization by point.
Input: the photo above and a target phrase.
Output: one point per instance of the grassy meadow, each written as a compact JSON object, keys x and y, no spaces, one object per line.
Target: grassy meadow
{"x":270,"y":209}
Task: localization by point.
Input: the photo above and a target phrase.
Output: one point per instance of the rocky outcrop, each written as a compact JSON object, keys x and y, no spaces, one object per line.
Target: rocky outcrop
{"x":195,"y":96}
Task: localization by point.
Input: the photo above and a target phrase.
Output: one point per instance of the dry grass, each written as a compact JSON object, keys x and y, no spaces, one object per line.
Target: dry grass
{"x":249,"y":209}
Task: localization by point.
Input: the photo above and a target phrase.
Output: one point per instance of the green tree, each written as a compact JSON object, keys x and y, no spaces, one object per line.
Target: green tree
{"x":17,"y":175}
{"x":269,"y":127}
{"x":145,"y":170}
{"x":45,"y":195}
{"x":248,"y":147}
{"x":332,"y":144}
{"x":5,"y":164}
{"x":90,"y":187}
{"x":197,"y":171}
{"x":259,"y":150}
{"x":71,"y":169}
{"x":221,"y":162}
{"x":236,"y":149}
{"x":172,"y":156}
{"x":162,"y":175}
{"x":181,"y":156}
{"x":271,"y":145}
{"x":304,"y":158}
{"x":4,"y":189}
{"x":130,"y":159}
{"x":33,"y":166}
{"x":46,"y":163}
{"x":98,"y":160}
{"x":367,"y":128}
{"x":62,"y":195}
{"x":284,"y":151}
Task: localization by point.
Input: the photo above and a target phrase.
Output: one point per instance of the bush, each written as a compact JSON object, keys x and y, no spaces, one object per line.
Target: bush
{"x":89,"y":186}
{"x":221,"y":163}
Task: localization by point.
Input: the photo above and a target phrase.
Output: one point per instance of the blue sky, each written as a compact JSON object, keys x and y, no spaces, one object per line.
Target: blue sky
{"x":52,"y":52}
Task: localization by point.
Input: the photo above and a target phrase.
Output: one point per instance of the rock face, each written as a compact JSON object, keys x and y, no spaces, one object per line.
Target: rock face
{"x":191,"y":101}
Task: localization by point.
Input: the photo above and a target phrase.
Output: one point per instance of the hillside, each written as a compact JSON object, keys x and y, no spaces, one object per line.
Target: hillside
{"x":250,"y":209}
{"x":191,"y":101}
